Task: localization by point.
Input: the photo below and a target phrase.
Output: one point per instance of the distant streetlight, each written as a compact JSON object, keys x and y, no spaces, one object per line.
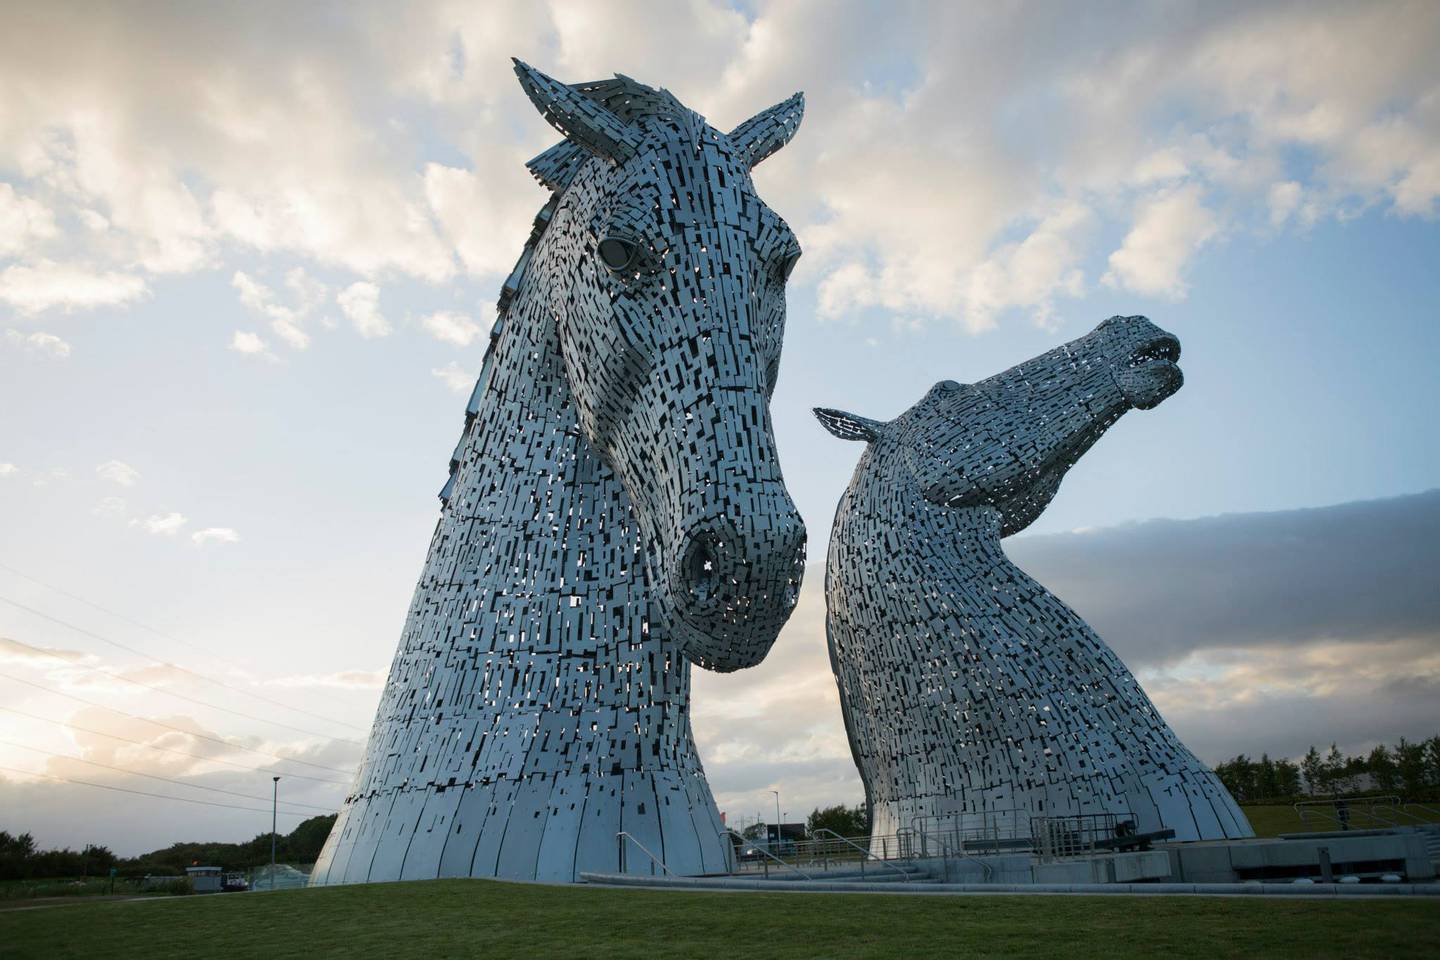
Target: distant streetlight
{"x":777,"y":816}
{"x":274,"y":802}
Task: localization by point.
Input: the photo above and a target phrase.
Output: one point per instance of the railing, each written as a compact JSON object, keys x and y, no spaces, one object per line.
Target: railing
{"x":622,"y":836}
{"x":988,"y":830}
{"x":865,"y":854}
{"x":1074,"y":835}
{"x":1383,"y":810}
{"x":947,"y":847}
{"x":766,"y":856}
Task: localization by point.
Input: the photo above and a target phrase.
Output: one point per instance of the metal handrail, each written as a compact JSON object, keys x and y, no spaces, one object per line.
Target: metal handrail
{"x":1366,"y":806}
{"x":962,"y":853}
{"x":864,"y":853}
{"x":622,"y":836}
{"x":767,"y":854}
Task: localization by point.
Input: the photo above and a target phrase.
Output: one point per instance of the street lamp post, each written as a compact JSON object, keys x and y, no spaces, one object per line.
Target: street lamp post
{"x":274,"y":803}
{"x":777,"y":816}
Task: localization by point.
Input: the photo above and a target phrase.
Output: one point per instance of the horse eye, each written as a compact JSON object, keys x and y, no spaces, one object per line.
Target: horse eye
{"x":618,"y":253}
{"x":788,"y":266}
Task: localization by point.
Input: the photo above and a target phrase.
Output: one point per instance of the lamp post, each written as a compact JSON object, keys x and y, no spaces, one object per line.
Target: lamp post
{"x":777,"y":816}
{"x":274,"y":803}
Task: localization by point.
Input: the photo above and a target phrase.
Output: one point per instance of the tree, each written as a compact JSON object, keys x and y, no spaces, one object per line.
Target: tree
{"x":846,"y":821}
{"x":1332,"y":770}
{"x":1287,"y":779}
{"x":1381,"y":767}
{"x":304,"y":843}
{"x":15,"y":855}
{"x":1265,"y":784}
{"x":1313,"y":769}
{"x":1410,"y":767}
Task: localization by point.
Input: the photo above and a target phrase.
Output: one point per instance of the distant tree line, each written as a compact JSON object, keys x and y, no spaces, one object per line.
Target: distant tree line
{"x":1410,"y":769}
{"x":20,"y":860}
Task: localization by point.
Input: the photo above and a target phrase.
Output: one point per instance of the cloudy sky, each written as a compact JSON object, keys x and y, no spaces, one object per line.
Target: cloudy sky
{"x":248,"y":262}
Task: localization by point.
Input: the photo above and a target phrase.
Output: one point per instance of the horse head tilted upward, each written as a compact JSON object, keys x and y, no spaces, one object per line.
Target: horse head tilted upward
{"x":972,"y":695}
{"x":615,"y":512}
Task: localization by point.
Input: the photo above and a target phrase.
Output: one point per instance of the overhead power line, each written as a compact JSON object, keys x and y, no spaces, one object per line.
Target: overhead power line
{"x":179,"y":753}
{"x":151,"y":776}
{"x":142,"y":793}
{"x":168,"y":692}
{"x":174,"y":666}
{"x":149,"y":629}
{"x":171,"y":726}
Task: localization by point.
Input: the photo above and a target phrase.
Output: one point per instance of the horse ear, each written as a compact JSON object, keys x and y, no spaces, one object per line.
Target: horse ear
{"x":582,"y":120}
{"x":847,"y":426}
{"x":768,"y":130}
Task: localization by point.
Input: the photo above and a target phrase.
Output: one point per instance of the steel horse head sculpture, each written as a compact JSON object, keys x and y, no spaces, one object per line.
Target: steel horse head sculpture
{"x":971,"y":695}
{"x":615,"y":513}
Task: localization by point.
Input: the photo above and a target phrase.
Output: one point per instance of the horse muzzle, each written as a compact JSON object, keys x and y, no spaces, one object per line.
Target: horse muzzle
{"x":734,"y":580}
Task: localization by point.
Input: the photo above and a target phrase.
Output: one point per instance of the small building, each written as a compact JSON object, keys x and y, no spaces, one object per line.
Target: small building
{"x":204,"y":879}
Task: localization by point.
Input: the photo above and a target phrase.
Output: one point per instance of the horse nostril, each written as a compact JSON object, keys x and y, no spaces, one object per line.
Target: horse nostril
{"x":702,"y":570}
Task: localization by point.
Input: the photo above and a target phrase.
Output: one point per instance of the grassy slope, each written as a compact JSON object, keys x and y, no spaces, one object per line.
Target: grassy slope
{"x":464,"y":918}
{"x":1273,"y":820}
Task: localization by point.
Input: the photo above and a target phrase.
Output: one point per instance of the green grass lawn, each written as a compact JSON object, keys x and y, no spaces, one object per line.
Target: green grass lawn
{"x":437,"y":920}
{"x":1273,"y":820}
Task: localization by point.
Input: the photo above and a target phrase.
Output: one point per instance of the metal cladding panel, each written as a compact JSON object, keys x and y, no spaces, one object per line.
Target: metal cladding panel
{"x":394,"y":841}
{"x":367,"y":839}
{"x":641,"y":820}
{"x":464,"y":834}
{"x":597,"y":849}
{"x":427,"y":845}
{"x":614,"y":513}
{"x":966,"y":687}
{"x":555,"y":863}
{"x":520,"y":848}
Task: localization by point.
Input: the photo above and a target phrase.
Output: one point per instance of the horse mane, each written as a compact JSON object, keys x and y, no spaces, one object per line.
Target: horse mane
{"x":555,"y":168}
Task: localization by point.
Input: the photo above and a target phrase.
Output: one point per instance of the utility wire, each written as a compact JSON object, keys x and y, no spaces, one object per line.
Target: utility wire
{"x":159,"y":689}
{"x":104,"y":639}
{"x":151,"y":776}
{"x":168,"y":726}
{"x":142,"y":793}
{"x":179,"y":753}
{"x":173,"y":666}
{"x":159,"y":633}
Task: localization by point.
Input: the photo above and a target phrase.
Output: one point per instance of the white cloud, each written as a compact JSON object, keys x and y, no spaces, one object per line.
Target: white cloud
{"x":455,"y":377}
{"x":119,"y":472}
{"x":47,"y":477}
{"x":360,"y":302}
{"x":910,"y":188}
{"x":39,"y":342}
{"x":215,"y":535}
{"x":284,"y":321}
{"x":244,"y":341}
{"x":450,"y":327}
{"x":1283,"y":200}
{"x":484,"y":213}
{"x":343,"y":680}
{"x":167,"y":524}
{"x":8,"y":469}
{"x":114,"y":507}
{"x":1168,"y":230}
{"x":23,"y":220}
{"x":45,"y":284}
{"x":1032,"y":272}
